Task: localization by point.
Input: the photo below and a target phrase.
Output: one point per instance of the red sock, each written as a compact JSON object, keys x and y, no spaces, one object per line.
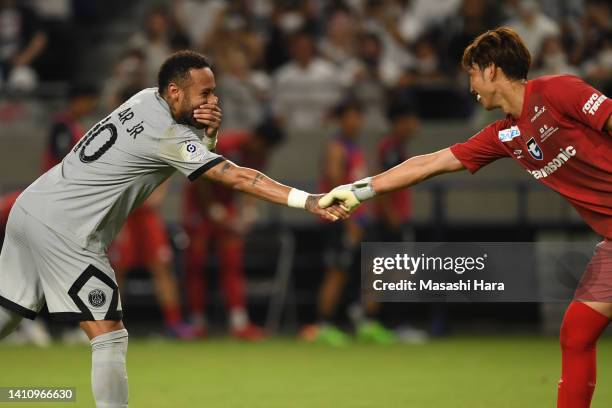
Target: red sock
{"x":172,"y":315}
{"x":580,"y":330}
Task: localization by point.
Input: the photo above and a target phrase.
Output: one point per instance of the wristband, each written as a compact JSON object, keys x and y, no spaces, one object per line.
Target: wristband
{"x":363,"y":189}
{"x":210,"y":141}
{"x":297,"y":198}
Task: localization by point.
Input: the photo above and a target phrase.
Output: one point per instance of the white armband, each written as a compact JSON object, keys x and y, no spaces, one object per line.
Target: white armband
{"x":297,"y":198}
{"x":210,"y":142}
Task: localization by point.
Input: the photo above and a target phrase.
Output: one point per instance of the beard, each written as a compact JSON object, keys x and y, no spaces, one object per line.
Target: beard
{"x":185,"y":115}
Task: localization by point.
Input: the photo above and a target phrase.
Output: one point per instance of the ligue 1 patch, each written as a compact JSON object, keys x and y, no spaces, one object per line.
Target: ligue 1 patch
{"x":534,"y":150}
{"x":507,"y":135}
{"x":191,"y":151}
{"x":96,"y":298}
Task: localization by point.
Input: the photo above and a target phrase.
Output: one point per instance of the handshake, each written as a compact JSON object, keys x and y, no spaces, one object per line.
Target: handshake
{"x":342,"y":200}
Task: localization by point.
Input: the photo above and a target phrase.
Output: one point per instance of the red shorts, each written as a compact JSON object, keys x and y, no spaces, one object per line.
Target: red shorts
{"x":596,"y":283}
{"x":142,"y":241}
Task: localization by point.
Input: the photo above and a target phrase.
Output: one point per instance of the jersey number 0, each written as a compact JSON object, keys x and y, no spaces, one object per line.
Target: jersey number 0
{"x":91,"y":135}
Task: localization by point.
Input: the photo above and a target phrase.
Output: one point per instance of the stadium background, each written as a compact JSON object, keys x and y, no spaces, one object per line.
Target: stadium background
{"x":375,"y":51}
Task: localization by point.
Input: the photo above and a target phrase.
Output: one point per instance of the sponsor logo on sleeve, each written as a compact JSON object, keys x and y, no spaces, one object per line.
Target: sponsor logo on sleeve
{"x":507,"y":135}
{"x":593,"y":103}
{"x":534,"y":150}
{"x":565,"y":154}
{"x":191,"y":151}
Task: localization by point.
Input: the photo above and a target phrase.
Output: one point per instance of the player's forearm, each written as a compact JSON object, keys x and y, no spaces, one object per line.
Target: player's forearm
{"x":259,"y":185}
{"x":415,"y":170}
{"x":250,"y":181}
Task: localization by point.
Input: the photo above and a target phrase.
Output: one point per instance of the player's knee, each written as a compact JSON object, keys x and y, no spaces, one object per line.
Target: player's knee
{"x":159,"y":269}
{"x":112,"y":342}
{"x":8,"y":322}
{"x":95,"y":328}
{"x":574,"y":339}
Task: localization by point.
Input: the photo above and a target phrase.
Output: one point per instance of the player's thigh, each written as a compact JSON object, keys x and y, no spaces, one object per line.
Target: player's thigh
{"x":153,"y":242}
{"x":605,"y":308}
{"x":79,"y":285}
{"x":20,"y":286}
{"x":595,"y":287}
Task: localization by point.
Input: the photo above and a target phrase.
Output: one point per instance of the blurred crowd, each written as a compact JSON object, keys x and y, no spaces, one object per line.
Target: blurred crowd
{"x":294,"y":59}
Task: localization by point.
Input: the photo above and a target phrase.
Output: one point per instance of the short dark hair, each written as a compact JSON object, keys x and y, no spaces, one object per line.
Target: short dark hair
{"x":78,"y":89}
{"x":348,"y":103}
{"x":269,"y":131}
{"x":399,"y":108}
{"x":502,"y":47}
{"x":177,"y":66}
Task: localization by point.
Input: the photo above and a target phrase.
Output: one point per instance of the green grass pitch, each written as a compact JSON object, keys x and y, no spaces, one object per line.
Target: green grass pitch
{"x":470,"y":372}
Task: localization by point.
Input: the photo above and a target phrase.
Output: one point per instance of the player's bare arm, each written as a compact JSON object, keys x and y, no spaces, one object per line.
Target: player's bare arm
{"x":608,"y":126}
{"x":410,"y":172}
{"x":253,"y":182}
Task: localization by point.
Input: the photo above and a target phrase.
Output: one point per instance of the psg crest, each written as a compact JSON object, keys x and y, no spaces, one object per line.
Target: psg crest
{"x":96,"y":298}
{"x":534,"y":149}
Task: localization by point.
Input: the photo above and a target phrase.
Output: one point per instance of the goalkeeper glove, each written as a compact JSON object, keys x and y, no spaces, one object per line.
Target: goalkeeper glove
{"x":351,"y":195}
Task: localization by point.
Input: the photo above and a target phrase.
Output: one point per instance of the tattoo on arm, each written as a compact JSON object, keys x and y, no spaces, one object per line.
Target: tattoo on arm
{"x":311,"y":202}
{"x":258,"y":177}
{"x":226,"y":167}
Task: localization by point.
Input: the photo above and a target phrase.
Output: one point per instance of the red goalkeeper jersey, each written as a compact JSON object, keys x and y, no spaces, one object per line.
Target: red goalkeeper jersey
{"x":560,"y":140}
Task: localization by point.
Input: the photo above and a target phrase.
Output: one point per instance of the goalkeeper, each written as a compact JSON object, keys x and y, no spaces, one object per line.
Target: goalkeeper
{"x":558,"y":129}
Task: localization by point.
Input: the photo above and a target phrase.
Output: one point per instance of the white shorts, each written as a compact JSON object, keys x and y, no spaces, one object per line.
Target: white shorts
{"x":38,"y":265}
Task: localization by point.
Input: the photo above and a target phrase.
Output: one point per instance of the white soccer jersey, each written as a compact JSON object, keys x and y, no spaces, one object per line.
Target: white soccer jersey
{"x":113,"y":169}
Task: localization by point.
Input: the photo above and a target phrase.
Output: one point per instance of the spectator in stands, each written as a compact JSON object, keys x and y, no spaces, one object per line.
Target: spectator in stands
{"x":474,"y":17}
{"x":596,"y":26}
{"x":533,"y":26}
{"x":552,"y":59}
{"x":598,"y":69}
{"x":306,"y":87}
{"x":368,"y":81}
{"x":199,"y":19}
{"x":427,"y":67}
{"x":380,"y":18}
{"x":419,"y":17}
{"x":214,"y":215}
{"x":22,"y":40}
{"x":240,"y":93}
{"x":154,"y":42}
{"x":339,"y":45}
{"x":129,"y":73}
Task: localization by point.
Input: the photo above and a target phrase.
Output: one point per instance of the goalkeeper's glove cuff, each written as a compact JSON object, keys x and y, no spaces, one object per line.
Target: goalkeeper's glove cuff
{"x":363,"y":189}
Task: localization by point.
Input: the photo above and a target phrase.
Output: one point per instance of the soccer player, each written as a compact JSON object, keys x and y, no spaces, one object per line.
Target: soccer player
{"x":214,"y":215}
{"x":558,"y":129}
{"x":344,"y":160}
{"x":394,"y":210}
{"x":61,"y":225}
